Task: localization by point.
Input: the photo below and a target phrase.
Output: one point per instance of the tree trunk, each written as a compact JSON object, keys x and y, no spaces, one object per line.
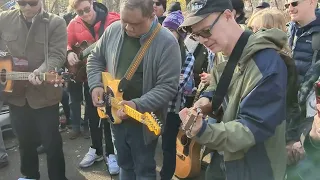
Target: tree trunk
{"x":44,"y":3}
{"x":276,"y":4}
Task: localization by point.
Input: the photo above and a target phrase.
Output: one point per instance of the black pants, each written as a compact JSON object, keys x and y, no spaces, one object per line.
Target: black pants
{"x":65,"y":105}
{"x":169,"y":138}
{"x":75,"y":90}
{"x":28,"y":124}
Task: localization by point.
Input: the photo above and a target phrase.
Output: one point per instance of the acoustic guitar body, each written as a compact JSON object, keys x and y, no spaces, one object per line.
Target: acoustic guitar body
{"x":110,"y":86}
{"x":9,"y":64}
{"x":79,"y":70}
{"x":188,"y":163}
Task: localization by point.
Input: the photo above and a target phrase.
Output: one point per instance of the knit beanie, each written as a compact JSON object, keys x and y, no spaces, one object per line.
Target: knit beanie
{"x":173,"y":21}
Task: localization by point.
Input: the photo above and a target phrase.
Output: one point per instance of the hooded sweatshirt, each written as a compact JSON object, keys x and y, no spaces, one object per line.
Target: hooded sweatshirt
{"x":251,"y":135}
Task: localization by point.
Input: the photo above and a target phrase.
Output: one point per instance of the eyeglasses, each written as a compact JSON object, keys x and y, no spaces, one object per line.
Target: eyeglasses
{"x":157,"y":3}
{"x":31,"y":3}
{"x":205,"y":33}
{"x":293,"y":4}
{"x":85,"y":10}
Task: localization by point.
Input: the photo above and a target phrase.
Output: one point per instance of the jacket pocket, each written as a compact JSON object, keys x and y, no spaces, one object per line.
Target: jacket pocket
{"x":9,"y":37}
{"x":9,"y":40}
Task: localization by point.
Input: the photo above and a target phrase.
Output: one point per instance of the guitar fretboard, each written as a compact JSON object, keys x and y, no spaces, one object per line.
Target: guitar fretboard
{"x":128,"y":110}
{"x":18,"y":76}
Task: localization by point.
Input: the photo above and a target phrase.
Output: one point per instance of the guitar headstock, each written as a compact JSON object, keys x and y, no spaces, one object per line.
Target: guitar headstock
{"x":153,"y":123}
{"x":57,"y":76}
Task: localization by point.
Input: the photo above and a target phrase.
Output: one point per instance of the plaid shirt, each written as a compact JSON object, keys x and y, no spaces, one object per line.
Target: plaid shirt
{"x":186,"y":71}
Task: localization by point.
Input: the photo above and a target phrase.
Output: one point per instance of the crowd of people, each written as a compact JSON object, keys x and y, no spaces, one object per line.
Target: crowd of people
{"x":258,"y":70}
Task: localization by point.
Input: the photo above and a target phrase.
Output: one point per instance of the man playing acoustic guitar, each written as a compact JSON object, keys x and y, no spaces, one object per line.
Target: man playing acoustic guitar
{"x":89,"y":24}
{"x":153,"y":84}
{"x":41,"y":38}
{"x":248,"y":84}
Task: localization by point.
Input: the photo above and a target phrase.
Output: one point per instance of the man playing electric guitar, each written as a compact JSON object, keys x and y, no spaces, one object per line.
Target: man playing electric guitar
{"x":41,"y":38}
{"x":89,"y":24}
{"x":249,"y":84}
{"x":152,"y":86}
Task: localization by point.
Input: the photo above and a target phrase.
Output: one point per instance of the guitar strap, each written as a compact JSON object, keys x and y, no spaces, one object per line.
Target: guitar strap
{"x":137,"y":60}
{"x":225,"y":79}
{"x":101,"y":28}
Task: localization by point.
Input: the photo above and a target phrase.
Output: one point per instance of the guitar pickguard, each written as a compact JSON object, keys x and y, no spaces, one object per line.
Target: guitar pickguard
{"x":107,"y":99}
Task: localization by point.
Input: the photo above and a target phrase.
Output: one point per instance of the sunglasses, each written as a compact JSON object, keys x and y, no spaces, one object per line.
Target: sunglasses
{"x":157,"y":3}
{"x":205,"y":33}
{"x":85,"y":10}
{"x":31,"y":3}
{"x":293,"y":4}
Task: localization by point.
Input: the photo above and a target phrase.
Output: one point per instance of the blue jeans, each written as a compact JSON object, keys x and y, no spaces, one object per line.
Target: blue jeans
{"x":135,"y":158}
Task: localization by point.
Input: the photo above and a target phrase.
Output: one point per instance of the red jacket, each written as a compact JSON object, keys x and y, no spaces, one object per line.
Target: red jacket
{"x":78,"y":31}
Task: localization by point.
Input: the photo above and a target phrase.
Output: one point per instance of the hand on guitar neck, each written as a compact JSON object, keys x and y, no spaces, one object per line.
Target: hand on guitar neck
{"x":35,"y":78}
{"x":192,"y":120}
{"x":121,"y":114}
{"x":72,"y":58}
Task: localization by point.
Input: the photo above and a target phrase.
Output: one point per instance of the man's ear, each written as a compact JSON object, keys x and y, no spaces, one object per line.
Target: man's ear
{"x":228,"y":14}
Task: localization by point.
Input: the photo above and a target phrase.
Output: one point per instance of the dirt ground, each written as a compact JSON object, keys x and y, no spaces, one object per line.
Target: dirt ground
{"x":74,"y":150}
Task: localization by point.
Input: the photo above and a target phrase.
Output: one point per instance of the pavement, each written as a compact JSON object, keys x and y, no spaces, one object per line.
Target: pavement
{"x":74,"y":150}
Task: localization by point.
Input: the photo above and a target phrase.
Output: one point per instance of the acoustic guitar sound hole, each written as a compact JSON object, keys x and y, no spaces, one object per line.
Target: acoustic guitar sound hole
{"x":3,"y":77}
{"x":184,"y":140}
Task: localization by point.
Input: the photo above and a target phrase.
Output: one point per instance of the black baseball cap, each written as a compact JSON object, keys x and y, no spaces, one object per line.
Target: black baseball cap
{"x":200,"y":9}
{"x":263,"y":5}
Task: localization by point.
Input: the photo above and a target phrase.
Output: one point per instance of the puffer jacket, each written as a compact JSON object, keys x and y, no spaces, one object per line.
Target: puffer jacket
{"x":78,"y":31}
{"x":300,"y":42}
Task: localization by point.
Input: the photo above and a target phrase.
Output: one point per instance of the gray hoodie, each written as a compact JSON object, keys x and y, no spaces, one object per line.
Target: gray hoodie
{"x":161,"y":69}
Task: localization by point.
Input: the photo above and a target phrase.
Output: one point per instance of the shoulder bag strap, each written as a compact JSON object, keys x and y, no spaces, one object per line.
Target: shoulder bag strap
{"x":225,"y":79}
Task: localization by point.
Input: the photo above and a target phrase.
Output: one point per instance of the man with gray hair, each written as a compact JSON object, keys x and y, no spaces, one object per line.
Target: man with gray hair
{"x":41,"y":39}
{"x":153,"y":85}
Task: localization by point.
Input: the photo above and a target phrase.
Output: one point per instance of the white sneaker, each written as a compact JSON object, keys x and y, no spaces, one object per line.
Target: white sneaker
{"x":112,"y":163}
{"x":25,"y":179}
{"x":90,"y":158}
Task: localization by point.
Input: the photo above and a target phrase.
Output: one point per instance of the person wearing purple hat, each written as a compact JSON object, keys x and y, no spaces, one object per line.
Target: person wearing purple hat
{"x":171,"y":129}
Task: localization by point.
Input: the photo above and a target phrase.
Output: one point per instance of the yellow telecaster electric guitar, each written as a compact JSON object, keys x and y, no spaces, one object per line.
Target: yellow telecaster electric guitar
{"x":112,"y":98}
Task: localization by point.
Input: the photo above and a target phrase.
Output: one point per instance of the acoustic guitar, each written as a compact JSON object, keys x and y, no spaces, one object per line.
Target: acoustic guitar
{"x":14,"y":75}
{"x":79,"y":70}
{"x":188,"y":163}
{"x":112,"y":97}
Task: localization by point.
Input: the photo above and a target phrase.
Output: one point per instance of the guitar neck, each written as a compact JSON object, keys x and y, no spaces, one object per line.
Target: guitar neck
{"x":196,"y":97}
{"x":20,"y":76}
{"x":128,"y":110}
{"x":85,"y":53}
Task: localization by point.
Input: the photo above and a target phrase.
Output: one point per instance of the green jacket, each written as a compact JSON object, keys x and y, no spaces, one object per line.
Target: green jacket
{"x":252,"y":132}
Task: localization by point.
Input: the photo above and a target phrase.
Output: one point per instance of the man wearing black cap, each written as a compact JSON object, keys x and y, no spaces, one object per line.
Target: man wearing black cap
{"x":262,"y":5}
{"x":249,"y":85}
